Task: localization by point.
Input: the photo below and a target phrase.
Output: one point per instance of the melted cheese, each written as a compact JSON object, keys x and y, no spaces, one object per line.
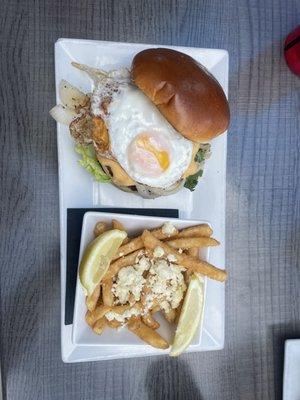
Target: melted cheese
{"x":100,"y":134}
{"x":194,"y":166}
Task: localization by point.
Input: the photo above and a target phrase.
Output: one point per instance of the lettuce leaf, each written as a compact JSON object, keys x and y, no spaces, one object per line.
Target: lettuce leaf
{"x":90,"y":163}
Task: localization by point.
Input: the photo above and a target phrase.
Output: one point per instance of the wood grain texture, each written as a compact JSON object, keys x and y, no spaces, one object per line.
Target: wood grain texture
{"x":263,"y":199}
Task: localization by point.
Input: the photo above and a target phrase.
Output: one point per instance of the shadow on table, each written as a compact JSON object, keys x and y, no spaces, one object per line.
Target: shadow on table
{"x":169,"y":378}
{"x":278,"y":334}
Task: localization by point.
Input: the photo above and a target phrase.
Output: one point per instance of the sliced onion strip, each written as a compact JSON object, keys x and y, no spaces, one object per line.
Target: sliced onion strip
{"x":62,"y":114}
{"x":70,"y":96}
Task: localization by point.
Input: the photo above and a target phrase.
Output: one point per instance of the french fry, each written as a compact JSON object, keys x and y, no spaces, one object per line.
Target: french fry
{"x":187,"y":276}
{"x":91,"y":300}
{"x":149,"y":320}
{"x":118,"y":225}
{"x":194,"y":231}
{"x":132,"y":246}
{"x":122,"y":262}
{"x":154,"y":309}
{"x":193,"y":252}
{"x":148,"y":335}
{"x":100,"y":228}
{"x":145,"y":291}
{"x":170,"y":315}
{"x":92,"y":316}
{"x":159,"y":233}
{"x":99,"y":326}
{"x":89,"y":319}
{"x":120,"y":309}
{"x":189,"y":243}
{"x":137,"y":243}
{"x":113,"y":323}
{"x":131,"y":299}
{"x":137,"y":306}
{"x":184,"y":260}
{"x":178,"y":312}
{"x":107,"y":294}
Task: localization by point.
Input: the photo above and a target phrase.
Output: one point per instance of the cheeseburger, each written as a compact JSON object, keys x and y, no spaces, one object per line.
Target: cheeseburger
{"x":146,"y":130}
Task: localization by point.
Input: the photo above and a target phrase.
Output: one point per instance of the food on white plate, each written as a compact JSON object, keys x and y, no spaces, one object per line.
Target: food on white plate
{"x":145,"y":276}
{"x":146,"y":130}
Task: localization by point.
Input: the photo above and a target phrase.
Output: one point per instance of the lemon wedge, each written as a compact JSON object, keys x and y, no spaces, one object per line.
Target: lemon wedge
{"x":190,"y":316}
{"x":97,"y":257}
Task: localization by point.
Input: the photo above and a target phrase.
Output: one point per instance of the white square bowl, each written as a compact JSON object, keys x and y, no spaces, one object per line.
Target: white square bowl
{"x":134,"y":225}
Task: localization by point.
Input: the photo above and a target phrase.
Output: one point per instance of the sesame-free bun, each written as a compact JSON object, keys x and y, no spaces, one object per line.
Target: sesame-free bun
{"x":187,"y":95}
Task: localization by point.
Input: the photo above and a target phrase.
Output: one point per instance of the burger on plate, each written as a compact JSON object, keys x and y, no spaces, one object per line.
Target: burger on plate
{"x":146,"y":130}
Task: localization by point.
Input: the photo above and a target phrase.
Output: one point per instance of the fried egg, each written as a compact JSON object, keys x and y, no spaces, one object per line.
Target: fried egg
{"x":146,"y":146}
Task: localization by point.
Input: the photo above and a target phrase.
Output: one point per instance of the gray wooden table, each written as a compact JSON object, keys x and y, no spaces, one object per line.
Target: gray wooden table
{"x":263,"y":214}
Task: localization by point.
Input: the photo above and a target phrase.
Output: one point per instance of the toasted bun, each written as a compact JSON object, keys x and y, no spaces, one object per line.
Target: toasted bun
{"x":188,"y":96}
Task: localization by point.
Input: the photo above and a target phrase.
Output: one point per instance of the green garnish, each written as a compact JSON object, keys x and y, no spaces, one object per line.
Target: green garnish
{"x":192,"y":180}
{"x":200,"y":156}
{"x":90,"y":163}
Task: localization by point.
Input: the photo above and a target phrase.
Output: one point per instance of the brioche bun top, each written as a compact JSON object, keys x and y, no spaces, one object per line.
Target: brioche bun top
{"x":187,"y":95}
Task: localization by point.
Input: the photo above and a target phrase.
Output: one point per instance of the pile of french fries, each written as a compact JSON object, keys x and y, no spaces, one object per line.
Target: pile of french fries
{"x":182,"y":245}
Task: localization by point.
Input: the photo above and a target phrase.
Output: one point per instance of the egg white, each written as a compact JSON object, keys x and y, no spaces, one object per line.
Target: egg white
{"x":131,"y":113}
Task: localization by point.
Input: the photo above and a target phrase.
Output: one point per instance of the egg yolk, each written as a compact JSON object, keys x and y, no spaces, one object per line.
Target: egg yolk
{"x":148,"y":154}
{"x":162,"y":156}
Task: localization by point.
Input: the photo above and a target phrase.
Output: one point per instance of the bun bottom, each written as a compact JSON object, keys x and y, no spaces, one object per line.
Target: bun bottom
{"x":145,"y":191}
{"x":148,"y":192}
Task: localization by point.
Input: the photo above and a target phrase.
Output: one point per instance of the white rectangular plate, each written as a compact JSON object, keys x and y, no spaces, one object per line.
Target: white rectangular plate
{"x":291,"y":375}
{"x":77,"y":189}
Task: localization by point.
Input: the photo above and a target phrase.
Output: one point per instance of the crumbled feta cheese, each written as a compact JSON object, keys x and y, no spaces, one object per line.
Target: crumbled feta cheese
{"x":122,"y":317}
{"x":139,"y":255}
{"x":168,"y":229}
{"x":176,"y":298}
{"x":180,"y":251}
{"x":150,"y":280}
{"x":130,"y":281}
{"x":158,"y":252}
{"x":165,"y":306}
{"x":166,"y":283}
{"x":143,"y":265}
{"x":171,"y":258}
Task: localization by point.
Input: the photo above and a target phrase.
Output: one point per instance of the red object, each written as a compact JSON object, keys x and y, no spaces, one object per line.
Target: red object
{"x":292,"y":51}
